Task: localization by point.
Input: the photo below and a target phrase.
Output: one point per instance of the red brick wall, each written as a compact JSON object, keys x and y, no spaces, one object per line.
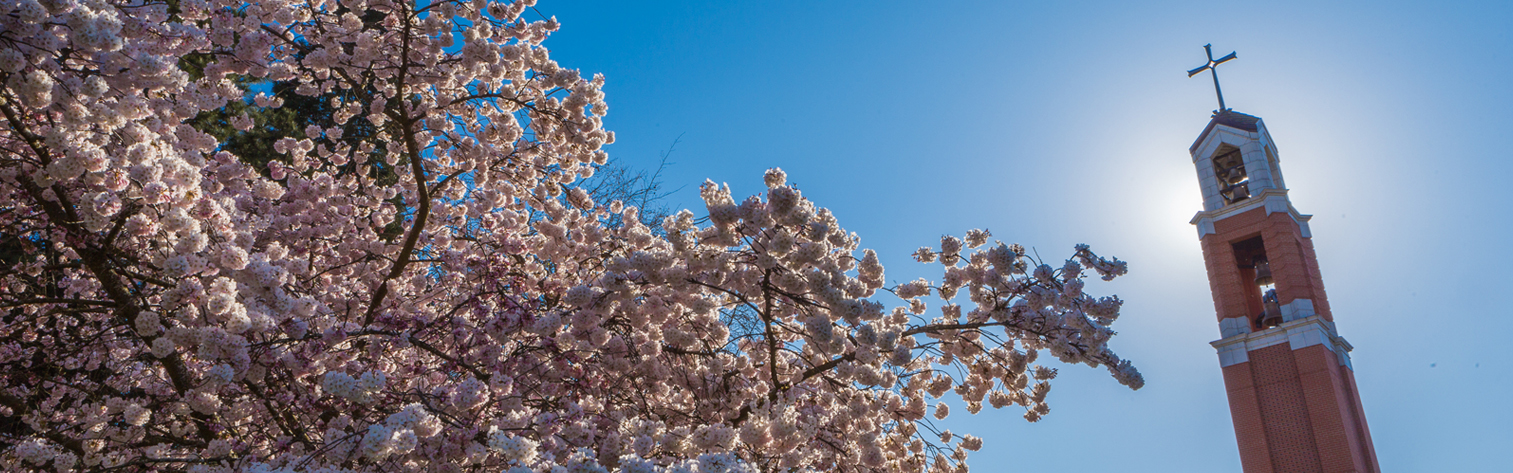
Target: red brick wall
{"x":1366,"y":449}
{"x":1285,"y":415}
{"x":1320,"y":303}
{"x":1333,"y":410}
{"x":1295,"y":411}
{"x":1245,"y":409}
{"x":1293,"y":263}
{"x":1298,"y":411}
{"x":1224,"y":278}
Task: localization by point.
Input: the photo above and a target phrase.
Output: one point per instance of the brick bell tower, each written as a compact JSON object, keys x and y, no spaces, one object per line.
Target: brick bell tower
{"x":1292,"y":391}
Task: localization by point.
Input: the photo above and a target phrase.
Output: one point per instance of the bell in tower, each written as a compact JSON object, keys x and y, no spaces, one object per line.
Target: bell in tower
{"x":1291,"y":387}
{"x":1229,"y":169}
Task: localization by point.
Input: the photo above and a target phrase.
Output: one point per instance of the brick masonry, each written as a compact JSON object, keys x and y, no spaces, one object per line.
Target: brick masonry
{"x":1295,"y":406}
{"x":1293,"y":263}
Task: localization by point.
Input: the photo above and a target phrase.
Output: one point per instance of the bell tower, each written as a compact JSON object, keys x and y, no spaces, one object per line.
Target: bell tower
{"x":1291,"y":387}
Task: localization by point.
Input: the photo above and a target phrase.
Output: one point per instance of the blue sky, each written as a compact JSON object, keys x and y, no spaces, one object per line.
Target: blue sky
{"x":1057,"y":123}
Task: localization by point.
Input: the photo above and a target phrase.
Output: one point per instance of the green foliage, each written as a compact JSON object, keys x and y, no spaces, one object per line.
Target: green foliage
{"x":255,"y":146}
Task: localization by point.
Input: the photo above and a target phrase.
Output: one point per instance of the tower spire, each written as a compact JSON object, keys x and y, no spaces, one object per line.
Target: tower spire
{"x":1212,"y":67}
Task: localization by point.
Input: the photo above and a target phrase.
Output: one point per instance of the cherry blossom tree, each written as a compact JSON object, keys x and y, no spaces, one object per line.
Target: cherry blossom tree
{"x":437,"y":292}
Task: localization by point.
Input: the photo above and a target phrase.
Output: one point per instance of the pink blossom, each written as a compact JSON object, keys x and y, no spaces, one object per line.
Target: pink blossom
{"x":472,"y":306}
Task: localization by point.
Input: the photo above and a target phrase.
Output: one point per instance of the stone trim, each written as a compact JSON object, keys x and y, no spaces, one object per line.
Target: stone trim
{"x":1205,"y":226}
{"x":1234,"y":326}
{"x":1297,"y":309}
{"x":1300,"y":333}
{"x":1273,"y":200}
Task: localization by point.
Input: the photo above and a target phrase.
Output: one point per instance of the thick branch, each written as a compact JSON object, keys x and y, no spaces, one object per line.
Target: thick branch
{"x":422,"y":196}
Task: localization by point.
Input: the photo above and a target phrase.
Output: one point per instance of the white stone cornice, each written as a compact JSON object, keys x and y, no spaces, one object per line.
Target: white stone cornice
{"x":1273,"y":200}
{"x":1300,"y":333}
{"x":1222,"y":134}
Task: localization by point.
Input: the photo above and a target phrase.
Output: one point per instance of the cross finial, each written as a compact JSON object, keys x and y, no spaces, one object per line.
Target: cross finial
{"x":1212,"y":67}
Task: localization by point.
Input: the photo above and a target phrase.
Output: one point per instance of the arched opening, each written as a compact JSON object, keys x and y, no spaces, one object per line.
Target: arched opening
{"x":1229,"y":169}
{"x":1256,"y":280}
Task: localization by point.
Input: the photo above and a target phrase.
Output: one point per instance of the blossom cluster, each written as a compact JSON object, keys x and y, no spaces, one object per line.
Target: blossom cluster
{"x":426,"y":286}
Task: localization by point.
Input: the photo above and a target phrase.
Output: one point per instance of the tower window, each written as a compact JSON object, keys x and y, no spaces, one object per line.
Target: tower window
{"x":1229,"y":168}
{"x":1259,"y":286}
{"x":1276,"y":169}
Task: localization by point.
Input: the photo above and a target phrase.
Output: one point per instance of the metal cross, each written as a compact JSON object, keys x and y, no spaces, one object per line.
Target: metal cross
{"x":1212,"y":67}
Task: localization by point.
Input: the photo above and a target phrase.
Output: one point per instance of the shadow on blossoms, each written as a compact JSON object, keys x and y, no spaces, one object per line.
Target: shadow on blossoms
{"x":419,"y":280}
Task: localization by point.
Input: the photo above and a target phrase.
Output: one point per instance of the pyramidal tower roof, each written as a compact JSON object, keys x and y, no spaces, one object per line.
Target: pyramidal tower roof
{"x":1229,"y":118}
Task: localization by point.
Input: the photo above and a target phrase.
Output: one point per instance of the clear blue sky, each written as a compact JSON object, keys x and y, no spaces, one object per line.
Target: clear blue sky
{"x":1056,"y":123}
